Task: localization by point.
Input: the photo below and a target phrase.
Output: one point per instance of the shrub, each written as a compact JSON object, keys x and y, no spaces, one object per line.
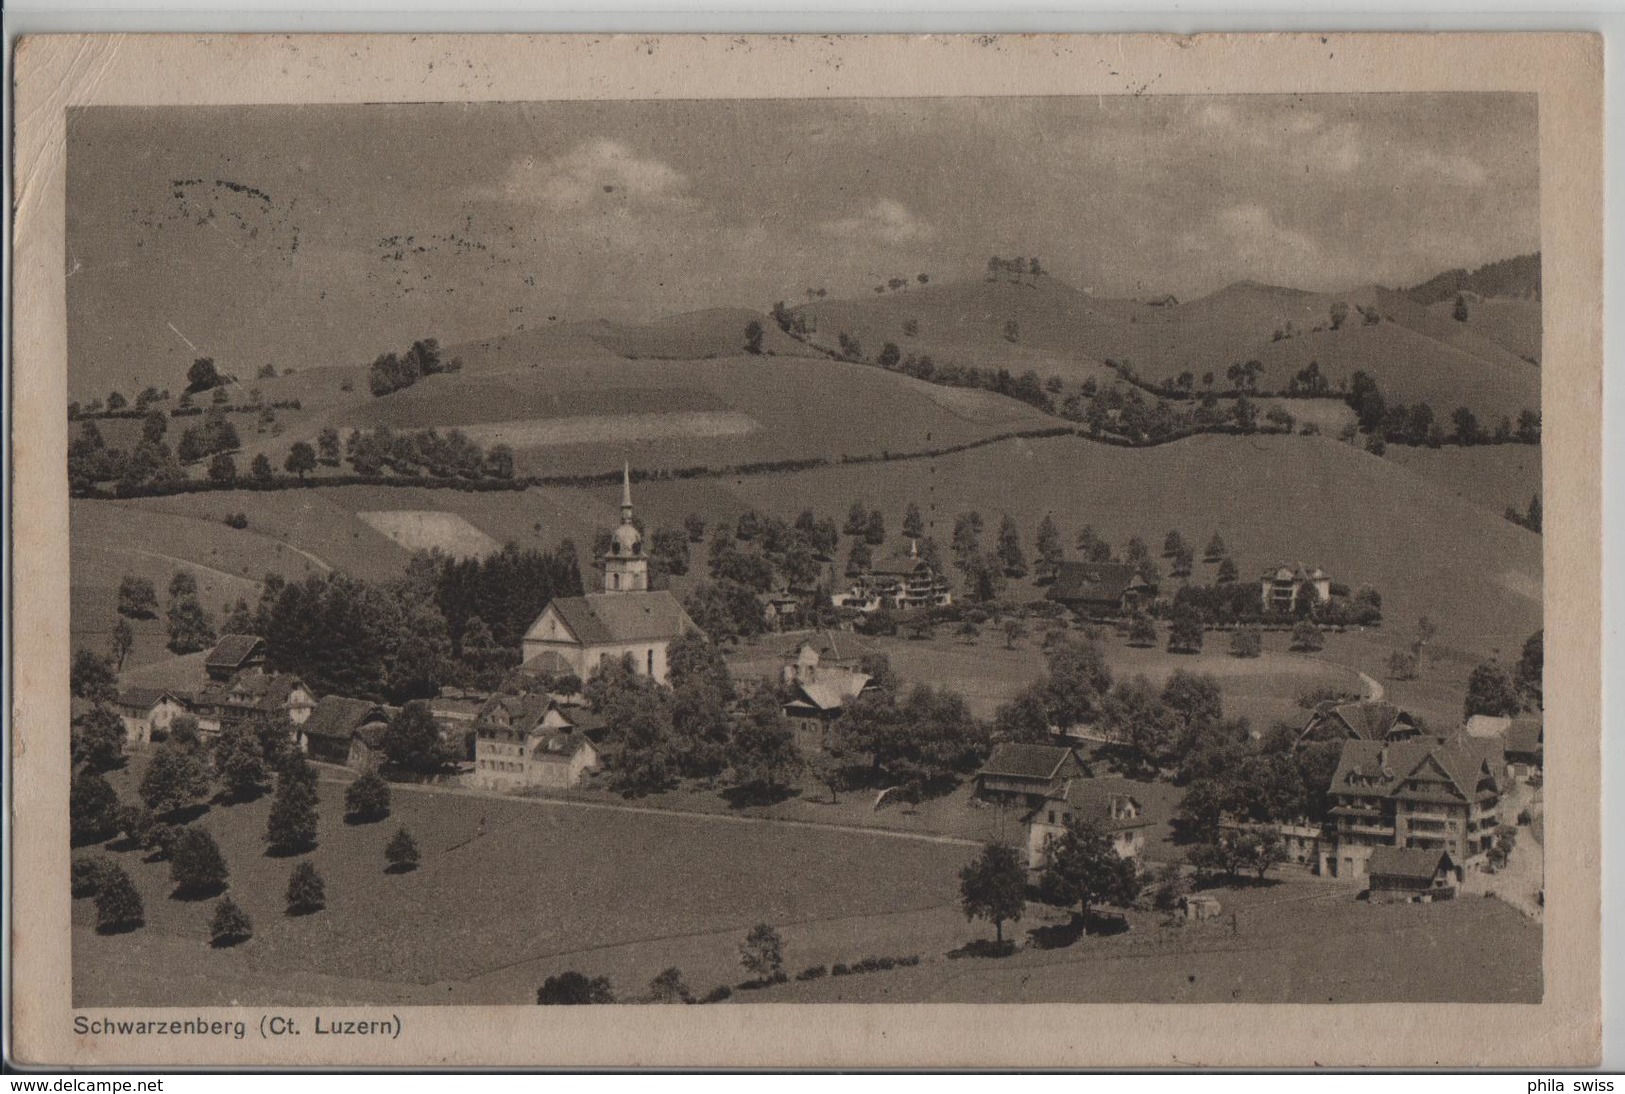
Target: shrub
{"x":1524,"y":820}
{"x":573,"y":989}
{"x":1246,"y":643}
{"x":230,"y":924}
{"x":402,"y":852}
{"x":196,"y":865}
{"x":840,"y":970}
{"x":87,"y":874}
{"x":812,"y":972}
{"x":718,"y":994}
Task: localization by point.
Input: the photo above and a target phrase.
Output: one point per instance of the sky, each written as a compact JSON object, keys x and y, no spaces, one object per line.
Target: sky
{"x":475,"y":219}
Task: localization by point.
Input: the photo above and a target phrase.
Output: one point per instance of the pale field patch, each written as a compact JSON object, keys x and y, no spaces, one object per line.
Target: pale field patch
{"x":428,"y":529}
{"x":612,"y":428}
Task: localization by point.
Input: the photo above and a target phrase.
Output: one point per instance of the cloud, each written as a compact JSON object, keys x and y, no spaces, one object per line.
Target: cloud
{"x":596,"y":176}
{"x":886,"y":221}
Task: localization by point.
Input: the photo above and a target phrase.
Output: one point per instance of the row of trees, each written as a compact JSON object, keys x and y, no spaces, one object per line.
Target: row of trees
{"x":1388,"y":422}
{"x":394,"y":371}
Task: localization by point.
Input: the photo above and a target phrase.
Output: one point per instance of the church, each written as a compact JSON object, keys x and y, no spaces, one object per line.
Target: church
{"x":575,"y":634}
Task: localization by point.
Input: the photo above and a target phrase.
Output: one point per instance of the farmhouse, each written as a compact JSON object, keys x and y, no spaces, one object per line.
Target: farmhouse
{"x":1360,"y":720}
{"x":1285,"y":586}
{"x":813,"y":706}
{"x":824,"y":652}
{"x":626,"y":619}
{"x":249,"y":695}
{"x":901,"y":584}
{"x":1424,"y":792}
{"x":329,"y":733}
{"x":234,"y":653}
{"x":1027,"y":774}
{"x":1108,"y":803}
{"x":1098,"y":589}
{"x":527,"y":741}
{"x":1410,"y":874}
{"x":1520,"y":738}
{"x":146,"y":711}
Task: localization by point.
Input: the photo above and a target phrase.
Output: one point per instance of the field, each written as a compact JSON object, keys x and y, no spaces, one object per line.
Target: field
{"x":429,"y":530}
{"x":1494,"y":476}
{"x":556,"y":886}
{"x":484,"y":919}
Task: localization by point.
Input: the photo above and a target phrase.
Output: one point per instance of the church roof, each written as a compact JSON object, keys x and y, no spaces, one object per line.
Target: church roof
{"x":600,"y":618}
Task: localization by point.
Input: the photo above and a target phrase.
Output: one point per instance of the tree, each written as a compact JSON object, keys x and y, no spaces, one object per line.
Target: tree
{"x":290,"y":828}
{"x":260,"y":468}
{"x":1172,"y":544}
{"x":1078,"y":680}
{"x":1247,"y":642}
{"x":1215,"y":549}
{"x":196,"y":865}
{"x":230,"y":924}
{"x":765,"y":758}
{"x":190,"y":627}
{"x":1051,"y":552}
{"x":913,"y":522}
{"x":327,"y":443}
{"x":1013,"y":629}
{"x":239,"y":760}
{"x":993,"y":886}
{"x":413,"y":740}
{"x":1012,"y":331}
{"x":118,"y":904}
{"x":668,"y":987}
{"x":753,"y":337}
{"x":1142,"y":631}
{"x":98,"y":739}
{"x":574,"y":989}
{"x":694,"y":525}
{"x":1532,"y":667}
{"x":301,"y":458}
{"x":1339,"y":314}
{"x":1009,"y":548}
{"x":1306,"y":638}
{"x":874,"y":528}
{"x":1402,"y":665}
{"x":1083,"y":868}
{"x":1024,"y":719}
{"x":762,"y":952}
{"x":1460,"y":313}
{"x":1185,"y":630}
{"x":175,"y":779}
{"x":1227,"y":572}
{"x":1490,"y":691}
{"x":401,"y":852}
{"x":91,"y":677}
{"x":93,"y":808}
{"x":307,"y":892}
{"x":889,"y":356}
{"x":137,"y":598}
{"x":1261,"y":850}
{"x":202,"y":375}
{"x":367,"y":799}
{"x":1467,"y":429}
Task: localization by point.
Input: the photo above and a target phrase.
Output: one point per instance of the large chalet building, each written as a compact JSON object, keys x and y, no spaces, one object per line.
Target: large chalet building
{"x":1102,"y":589}
{"x":1425,"y":793}
{"x":576,"y":634}
{"x":1283,"y":587}
{"x":898,"y":584}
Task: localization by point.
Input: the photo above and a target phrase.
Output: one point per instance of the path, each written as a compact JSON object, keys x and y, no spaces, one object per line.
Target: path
{"x":179,"y":562}
{"x":1374,"y":690}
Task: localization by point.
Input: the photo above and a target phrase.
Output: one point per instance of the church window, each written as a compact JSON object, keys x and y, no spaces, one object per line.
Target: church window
{"x":651,"y":663}
{"x":615,"y":581}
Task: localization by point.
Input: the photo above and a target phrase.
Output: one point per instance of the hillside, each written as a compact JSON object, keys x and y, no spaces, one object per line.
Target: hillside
{"x":1415,"y":352}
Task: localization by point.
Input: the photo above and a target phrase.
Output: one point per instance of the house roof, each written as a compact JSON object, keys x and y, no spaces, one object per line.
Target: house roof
{"x":232,"y":650}
{"x":602,"y":618}
{"x":560,"y":747}
{"x":336,"y":717}
{"x":1366,"y":767}
{"x":831,"y":692}
{"x":1406,"y":862}
{"x":904,"y":566}
{"x":1296,"y":573}
{"x":144,"y":698}
{"x":1026,"y":761}
{"x":1092,"y":800}
{"x":831,"y":645}
{"x":1363,"y":720}
{"x":372,"y":734}
{"x":1105,"y":581}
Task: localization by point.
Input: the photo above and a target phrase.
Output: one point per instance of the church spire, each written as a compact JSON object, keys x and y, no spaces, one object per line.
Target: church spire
{"x":626,"y":493}
{"x":626,"y":567}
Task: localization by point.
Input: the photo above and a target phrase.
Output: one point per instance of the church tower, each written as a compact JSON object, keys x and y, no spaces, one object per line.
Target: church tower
{"x":626,"y":567}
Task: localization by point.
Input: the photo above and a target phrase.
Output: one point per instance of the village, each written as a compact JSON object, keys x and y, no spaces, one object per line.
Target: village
{"x":1110,"y":808}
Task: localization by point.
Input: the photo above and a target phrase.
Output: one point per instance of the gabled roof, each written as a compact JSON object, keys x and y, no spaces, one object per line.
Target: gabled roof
{"x":602,"y":618}
{"x":234,"y":649}
{"x":143,"y":698}
{"x":1103,"y":581}
{"x":1407,"y":862}
{"x":560,"y":747}
{"x":336,"y":717}
{"x":831,"y":645}
{"x":1367,"y":767}
{"x":831,"y":692}
{"x":1026,"y":761}
{"x":1362,"y":720}
{"x":905,"y":566}
{"x":1525,"y":737}
{"x":1297,"y":573}
{"x":1092,"y":800}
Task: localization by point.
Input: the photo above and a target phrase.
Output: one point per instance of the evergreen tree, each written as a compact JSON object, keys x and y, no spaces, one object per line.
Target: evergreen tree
{"x":1050,"y":550}
{"x":1011,"y":558}
{"x":307,"y":892}
{"x":230,"y":924}
{"x":913,"y":522}
{"x":1215,"y":549}
{"x":239,"y":760}
{"x":367,"y":799}
{"x":118,"y":904}
{"x":1185,"y":630}
{"x":401,"y":852}
{"x":413,"y":740}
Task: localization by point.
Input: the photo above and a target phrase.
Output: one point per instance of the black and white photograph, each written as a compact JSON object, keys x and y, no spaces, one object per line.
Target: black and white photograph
{"x":975,"y":549}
